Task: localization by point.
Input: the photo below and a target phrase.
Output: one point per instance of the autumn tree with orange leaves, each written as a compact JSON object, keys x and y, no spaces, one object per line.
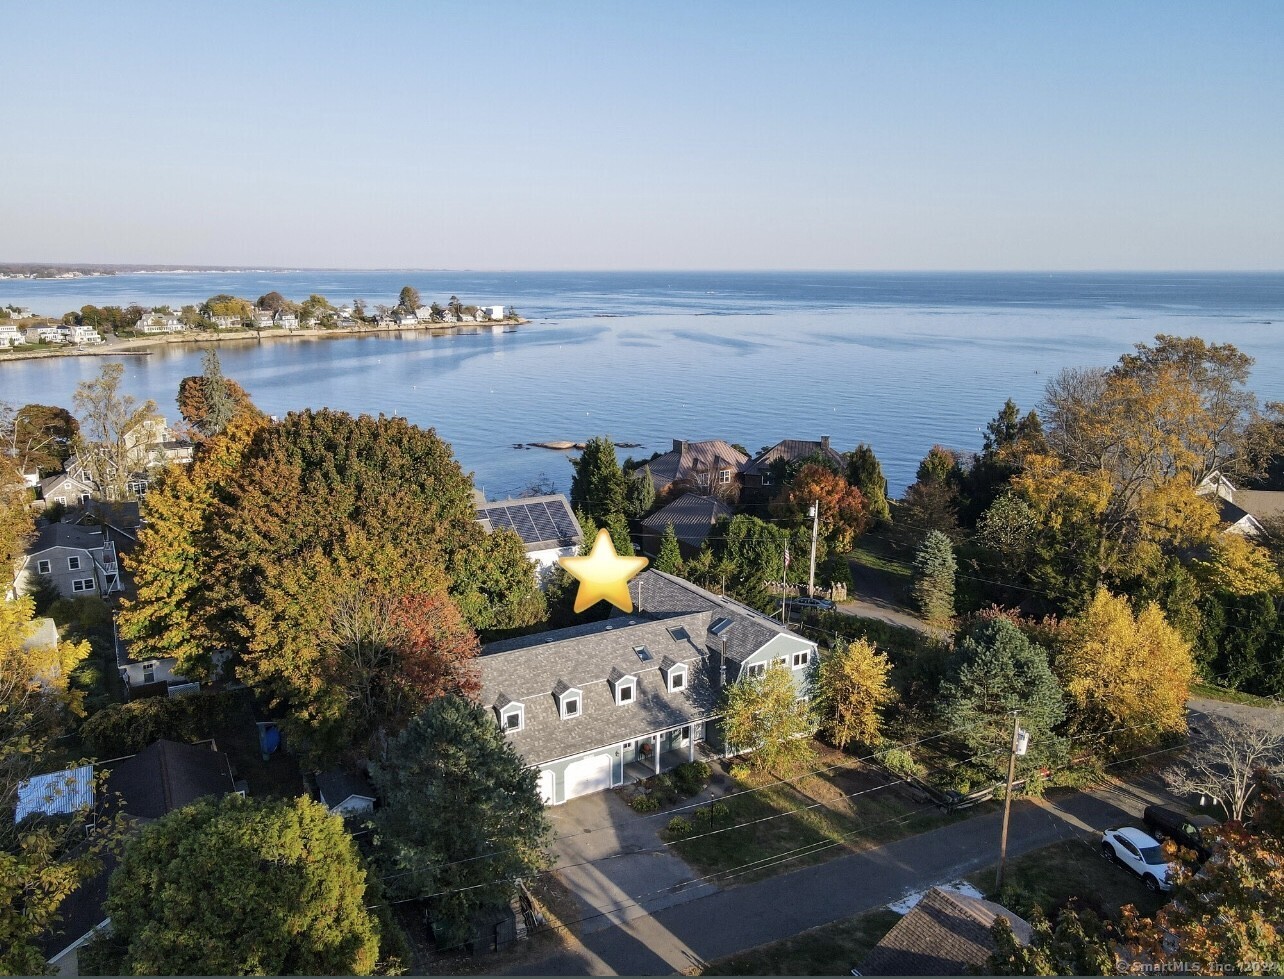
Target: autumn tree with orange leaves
{"x":844,"y":514}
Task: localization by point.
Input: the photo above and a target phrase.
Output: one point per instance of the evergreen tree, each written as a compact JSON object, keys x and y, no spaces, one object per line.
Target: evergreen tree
{"x":866,"y":474}
{"x":669,"y":559}
{"x":219,"y":403}
{"x":241,"y":887}
{"x":934,"y":570}
{"x":598,"y":486}
{"x":640,"y":495}
{"x":455,"y":791}
{"x":409,"y":299}
{"x":996,"y":670}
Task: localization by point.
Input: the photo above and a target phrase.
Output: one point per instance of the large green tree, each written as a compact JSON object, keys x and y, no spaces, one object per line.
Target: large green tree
{"x":669,"y":558}
{"x":461,"y":819}
{"x":866,"y":473}
{"x":241,"y":887}
{"x":598,"y":486}
{"x":409,"y":299}
{"x":995,"y":671}
{"x":38,"y":437}
{"x":323,"y":496}
{"x":934,"y":570}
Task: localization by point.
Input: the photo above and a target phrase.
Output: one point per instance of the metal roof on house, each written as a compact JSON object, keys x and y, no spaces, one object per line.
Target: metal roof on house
{"x":691,"y":515}
{"x":56,"y":793}
{"x":791,"y":450}
{"x":542,"y":522}
{"x":944,"y":934}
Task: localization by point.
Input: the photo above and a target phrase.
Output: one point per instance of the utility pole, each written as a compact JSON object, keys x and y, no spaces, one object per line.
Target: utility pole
{"x":815,"y":526}
{"x":1020,"y":742}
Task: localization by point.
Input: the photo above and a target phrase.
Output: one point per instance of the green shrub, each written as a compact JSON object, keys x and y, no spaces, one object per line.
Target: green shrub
{"x":739,"y":771}
{"x":678,"y":828}
{"x":717,"y":814}
{"x":901,"y":762}
{"x":124,"y":729}
{"x":643,"y":803}
{"x":691,"y":777}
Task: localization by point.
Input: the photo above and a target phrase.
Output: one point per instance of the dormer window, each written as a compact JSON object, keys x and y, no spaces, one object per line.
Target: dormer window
{"x":623,"y":685}
{"x":675,"y":674}
{"x":512,"y":715}
{"x":570,"y":700}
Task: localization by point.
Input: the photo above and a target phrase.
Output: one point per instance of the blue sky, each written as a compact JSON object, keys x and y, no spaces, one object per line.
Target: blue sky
{"x":890,"y":135}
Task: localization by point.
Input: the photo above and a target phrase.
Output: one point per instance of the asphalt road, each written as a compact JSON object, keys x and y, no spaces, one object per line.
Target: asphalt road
{"x":685,"y":936}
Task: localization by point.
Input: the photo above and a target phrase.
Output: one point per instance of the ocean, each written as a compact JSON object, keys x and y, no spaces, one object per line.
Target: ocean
{"x":901,"y":361}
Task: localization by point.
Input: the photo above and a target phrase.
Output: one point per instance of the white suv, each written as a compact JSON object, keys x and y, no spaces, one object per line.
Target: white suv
{"x":1140,"y":853}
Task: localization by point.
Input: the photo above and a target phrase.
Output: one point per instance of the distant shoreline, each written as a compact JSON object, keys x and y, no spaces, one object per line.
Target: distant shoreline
{"x":143,"y":346}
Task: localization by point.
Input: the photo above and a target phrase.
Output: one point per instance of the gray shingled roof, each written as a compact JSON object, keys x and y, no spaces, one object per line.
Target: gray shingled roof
{"x":791,"y":450}
{"x":691,"y":515}
{"x":1262,"y":504}
{"x":168,"y":775}
{"x":337,"y":785}
{"x":529,"y":668}
{"x":661,"y":595}
{"x":945,"y":934}
{"x":65,"y":535}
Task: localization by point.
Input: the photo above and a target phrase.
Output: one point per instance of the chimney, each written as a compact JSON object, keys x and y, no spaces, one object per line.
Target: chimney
{"x":679,"y":445}
{"x":824,"y":442}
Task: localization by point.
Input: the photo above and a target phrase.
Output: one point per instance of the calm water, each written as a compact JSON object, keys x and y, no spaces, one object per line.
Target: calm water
{"x":901,"y":361}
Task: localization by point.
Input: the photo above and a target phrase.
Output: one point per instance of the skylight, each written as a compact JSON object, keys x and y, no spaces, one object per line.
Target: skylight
{"x":679,"y":634}
{"x":644,"y":654}
{"x":720,"y":626}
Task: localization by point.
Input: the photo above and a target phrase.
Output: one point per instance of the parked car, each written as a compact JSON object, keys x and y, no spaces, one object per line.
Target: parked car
{"x":805,"y":604}
{"x":1184,"y":830}
{"x":1140,"y":853}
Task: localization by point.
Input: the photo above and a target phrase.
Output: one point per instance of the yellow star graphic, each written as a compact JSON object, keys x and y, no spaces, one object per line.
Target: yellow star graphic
{"x":603,"y":575}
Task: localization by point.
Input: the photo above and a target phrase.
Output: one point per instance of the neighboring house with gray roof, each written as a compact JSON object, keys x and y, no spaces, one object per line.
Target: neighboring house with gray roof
{"x":711,"y":466}
{"x":691,"y":515}
{"x":70,"y":556}
{"x":345,"y":793}
{"x":546,"y":525}
{"x":595,"y":705}
{"x":945,"y":934}
{"x":761,"y":474}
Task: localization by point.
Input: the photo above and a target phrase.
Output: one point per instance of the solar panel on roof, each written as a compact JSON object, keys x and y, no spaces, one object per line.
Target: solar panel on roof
{"x":533,"y":522}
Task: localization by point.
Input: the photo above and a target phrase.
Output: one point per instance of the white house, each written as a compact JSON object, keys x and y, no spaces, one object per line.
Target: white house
{"x":10,"y":335}
{"x":226,"y":322}
{"x":79,"y":334}
{"x":158,"y":321}
{"x":494,"y":312}
{"x":1242,"y":511}
{"x":546,"y":525}
{"x":47,"y":333}
{"x":286,"y":320}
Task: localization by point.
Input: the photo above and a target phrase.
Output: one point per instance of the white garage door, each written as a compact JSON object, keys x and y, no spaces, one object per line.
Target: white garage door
{"x":588,"y":775}
{"x":546,"y":787}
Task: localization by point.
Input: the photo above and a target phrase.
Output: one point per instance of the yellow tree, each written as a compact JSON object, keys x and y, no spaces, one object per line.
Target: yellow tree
{"x":172,"y":565}
{"x":37,"y":871}
{"x":852,"y":689}
{"x":1238,"y":566}
{"x":1125,"y":671}
{"x":764,"y":715}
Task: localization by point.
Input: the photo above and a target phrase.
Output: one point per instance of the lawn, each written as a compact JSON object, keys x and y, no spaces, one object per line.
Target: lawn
{"x":1072,"y":870}
{"x":874,"y":553}
{"x":1213,"y":692}
{"x":810,"y":820}
{"x":830,"y":950}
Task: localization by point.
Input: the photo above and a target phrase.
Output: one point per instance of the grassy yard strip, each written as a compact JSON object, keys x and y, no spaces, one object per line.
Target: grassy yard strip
{"x":833,"y":813}
{"x":828,"y":950}
{"x":1055,"y":875}
{"x":872,"y":555}
{"x":1213,"y":692}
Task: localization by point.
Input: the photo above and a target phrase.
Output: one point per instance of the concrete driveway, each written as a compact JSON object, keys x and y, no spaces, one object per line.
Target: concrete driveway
{"x":642,"y":878}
